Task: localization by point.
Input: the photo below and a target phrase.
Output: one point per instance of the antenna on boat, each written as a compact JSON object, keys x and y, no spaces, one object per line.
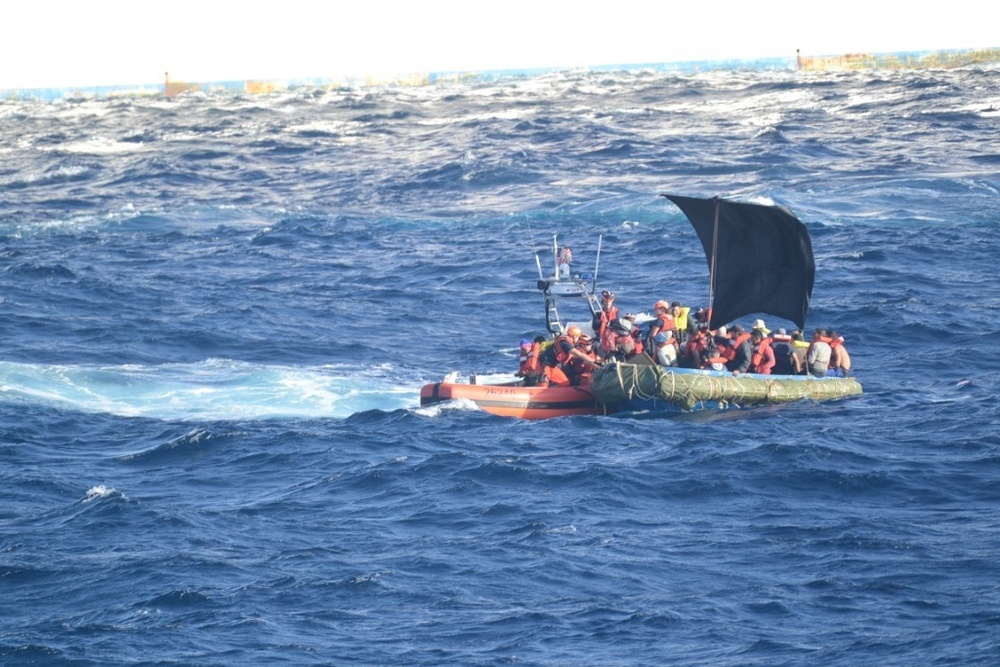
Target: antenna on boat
{"x":597,"y":264}
{"x":555,"y":256}
{"x":534,"y":251}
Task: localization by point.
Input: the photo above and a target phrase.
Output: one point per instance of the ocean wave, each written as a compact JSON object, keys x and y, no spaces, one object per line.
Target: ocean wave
{"x":219,"y":310}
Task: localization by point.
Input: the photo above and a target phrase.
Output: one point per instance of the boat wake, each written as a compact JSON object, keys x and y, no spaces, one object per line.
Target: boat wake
{"x":215,"y":389}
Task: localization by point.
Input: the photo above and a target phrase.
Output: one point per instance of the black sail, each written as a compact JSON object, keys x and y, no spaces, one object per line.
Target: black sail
{"x":764,"y":261}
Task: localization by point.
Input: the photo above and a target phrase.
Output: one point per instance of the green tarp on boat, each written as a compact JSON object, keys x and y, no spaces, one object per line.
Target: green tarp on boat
{"x":686,"y":388}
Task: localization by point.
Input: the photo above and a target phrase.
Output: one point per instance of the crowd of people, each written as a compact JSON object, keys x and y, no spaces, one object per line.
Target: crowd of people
{"x":679,"y":337}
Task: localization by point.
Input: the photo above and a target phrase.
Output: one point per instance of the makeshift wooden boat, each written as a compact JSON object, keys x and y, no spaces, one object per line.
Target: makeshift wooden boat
{"x":760,"y":261}
{"x":666,"y":389}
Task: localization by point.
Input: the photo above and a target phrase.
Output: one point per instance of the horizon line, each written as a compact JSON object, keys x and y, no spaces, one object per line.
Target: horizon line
{"x":915,"y":59}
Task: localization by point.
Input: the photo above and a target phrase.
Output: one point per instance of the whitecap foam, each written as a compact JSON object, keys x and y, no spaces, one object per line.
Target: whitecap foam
{"x":211,"y":389}
{"x":99,"y":491}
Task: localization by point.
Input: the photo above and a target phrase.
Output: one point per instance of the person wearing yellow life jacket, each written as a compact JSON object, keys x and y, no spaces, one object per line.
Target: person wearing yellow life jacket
{"x":682,"y":321}
{"x":799,"y":350}
{"x":762,"y":360}
{"x":664,"y":322}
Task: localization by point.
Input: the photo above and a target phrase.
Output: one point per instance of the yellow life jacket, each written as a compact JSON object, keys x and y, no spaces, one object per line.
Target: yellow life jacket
{"x":682,"y":319}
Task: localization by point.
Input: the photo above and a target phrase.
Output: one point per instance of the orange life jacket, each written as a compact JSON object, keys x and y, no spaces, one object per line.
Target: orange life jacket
{"x":664,"y":322}
{"x":561,"y":354}
{"x":838,"y":357}
{"x":819,"y":339}
{"x":717,"y":359}
{"x":757,"y":360}
{"x":577,"y":368}
{"x":556,"y":376}
{"x":729,"y":351}
{"x":692,"y":351}
{"x":529,"y":362}
{"x":638,"y":340}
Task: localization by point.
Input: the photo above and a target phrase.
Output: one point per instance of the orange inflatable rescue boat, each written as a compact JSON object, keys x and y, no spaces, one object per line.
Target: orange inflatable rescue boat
{"x":510,"y":400}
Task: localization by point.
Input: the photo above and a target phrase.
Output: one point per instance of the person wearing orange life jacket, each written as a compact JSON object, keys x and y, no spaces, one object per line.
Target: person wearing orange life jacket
{"x":555,"y":355}
{"x":840,"y":360}
{"x":603,"y":319}
{"x":565,"y":349}
{"x":621,"y":344}
{"x":522,"y":369}
{"x":742,"y":352}
{"x":580,"y":366}
{"x":762,"y":360}
{"x":726,"y":348}
{"x":819,"y":353}
{"x":565,"y":344}
{"x":714,"y":354}
{"x":664,"y":322}
{"x":691,"y":352}
{"x":531,"y":364}
{"x":635,"y":332}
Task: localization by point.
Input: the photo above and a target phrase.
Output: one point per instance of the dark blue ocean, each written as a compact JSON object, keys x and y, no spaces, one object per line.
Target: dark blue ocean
{"x":217,"y":312}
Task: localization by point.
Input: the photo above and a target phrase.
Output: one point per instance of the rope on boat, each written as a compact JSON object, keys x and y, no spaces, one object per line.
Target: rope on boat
{"x":687,"y":390}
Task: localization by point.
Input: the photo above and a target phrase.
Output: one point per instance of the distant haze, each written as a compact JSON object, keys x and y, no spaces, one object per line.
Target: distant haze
{"x":105,"y":42}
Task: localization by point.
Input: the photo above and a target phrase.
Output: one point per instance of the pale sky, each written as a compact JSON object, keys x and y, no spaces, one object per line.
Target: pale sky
{"x":110,"y":42}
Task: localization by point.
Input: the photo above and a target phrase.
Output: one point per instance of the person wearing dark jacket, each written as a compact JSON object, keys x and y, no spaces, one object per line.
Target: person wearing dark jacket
{"x":743,"y":352}
{"x":782,"y":347}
